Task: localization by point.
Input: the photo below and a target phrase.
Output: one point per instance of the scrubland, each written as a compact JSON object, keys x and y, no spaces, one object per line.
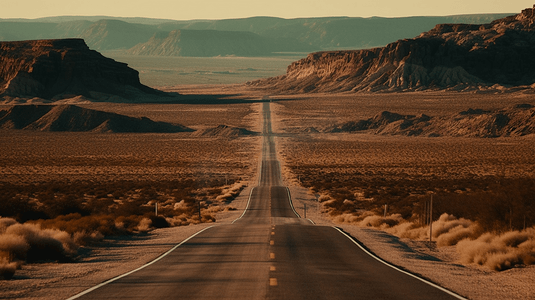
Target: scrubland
{"x":62,"y":192}
{"x":482,"y":189}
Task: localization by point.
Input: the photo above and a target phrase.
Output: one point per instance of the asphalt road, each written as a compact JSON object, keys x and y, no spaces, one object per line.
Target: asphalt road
{"x":268,"y":253}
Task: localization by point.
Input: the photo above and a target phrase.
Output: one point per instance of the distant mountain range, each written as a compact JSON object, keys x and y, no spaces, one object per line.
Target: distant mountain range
{"x":257,"y":36}
{"x":462,"y":57}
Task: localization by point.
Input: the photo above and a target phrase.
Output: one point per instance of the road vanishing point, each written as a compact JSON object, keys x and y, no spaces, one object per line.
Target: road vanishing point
{"x":270,"y":252}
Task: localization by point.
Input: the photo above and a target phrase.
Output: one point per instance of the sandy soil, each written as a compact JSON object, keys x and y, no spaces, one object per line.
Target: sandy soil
{"x":119,"y":255}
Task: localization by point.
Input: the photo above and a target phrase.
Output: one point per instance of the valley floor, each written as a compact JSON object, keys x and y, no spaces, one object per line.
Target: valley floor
{"x":116,"y":256}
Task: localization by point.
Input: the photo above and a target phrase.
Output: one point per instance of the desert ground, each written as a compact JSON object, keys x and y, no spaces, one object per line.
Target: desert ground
{"x":344,"y":171}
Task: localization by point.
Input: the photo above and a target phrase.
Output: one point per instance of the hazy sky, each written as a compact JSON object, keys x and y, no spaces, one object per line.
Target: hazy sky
{"x":223,"y":9}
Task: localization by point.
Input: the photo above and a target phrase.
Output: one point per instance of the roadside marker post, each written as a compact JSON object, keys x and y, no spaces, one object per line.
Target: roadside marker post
{"x":200,"y":218}
{"x":431,"y":219}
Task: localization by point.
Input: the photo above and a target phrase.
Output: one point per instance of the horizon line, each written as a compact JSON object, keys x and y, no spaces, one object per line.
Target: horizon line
{"x":251,"y":17}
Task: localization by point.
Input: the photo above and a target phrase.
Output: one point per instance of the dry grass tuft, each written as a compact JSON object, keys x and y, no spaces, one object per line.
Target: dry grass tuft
{"x":29,"y":243}
{"x":495,"y":251}
{"x":382,"y":222}
{"x":499,"y":251}
{"x":7,"y":269}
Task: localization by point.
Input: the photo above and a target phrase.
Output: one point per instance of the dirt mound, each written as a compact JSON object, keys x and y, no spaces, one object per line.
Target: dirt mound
{"x":58,"y":69}
{"x":518,"y":120}
{"x":75,"y":118}
{"x":451,"y":56}
{"x":224,"y":131}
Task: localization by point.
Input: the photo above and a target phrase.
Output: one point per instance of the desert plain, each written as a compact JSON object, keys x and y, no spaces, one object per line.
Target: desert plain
{"x":336,"y":176}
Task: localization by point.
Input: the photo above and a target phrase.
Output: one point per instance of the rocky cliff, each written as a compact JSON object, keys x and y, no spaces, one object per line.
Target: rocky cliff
{"x":56,"y":69}
{"x":450,"y":56}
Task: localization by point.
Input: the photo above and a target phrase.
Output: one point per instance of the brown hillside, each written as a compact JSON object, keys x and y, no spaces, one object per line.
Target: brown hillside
{"x":75,"y":118}
{"x":518,"y":120}
{"x":224,"y":131}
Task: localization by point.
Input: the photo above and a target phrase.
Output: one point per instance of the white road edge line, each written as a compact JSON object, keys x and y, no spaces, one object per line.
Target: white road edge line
{"x":247,"y":207}
{"x":292,"y":205}
{"x":400,"y":270}
{"x":142,"y":267}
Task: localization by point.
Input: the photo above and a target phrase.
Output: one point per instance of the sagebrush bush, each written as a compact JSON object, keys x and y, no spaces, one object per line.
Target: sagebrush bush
{"x":7,"y":269}
{"x":44,"y":244}
{"x":500,"y":252}
{"x":13,"y":247}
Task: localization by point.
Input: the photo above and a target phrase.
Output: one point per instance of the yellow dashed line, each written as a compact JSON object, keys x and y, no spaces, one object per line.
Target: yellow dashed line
{"x":272,"y":268}
{"x":272,"y":255}
{"x":272,"y":242}
{"x":273,"y":233}
{"x":273,"y":282}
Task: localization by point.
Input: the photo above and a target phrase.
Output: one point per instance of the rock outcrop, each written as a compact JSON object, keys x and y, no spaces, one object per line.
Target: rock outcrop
{"x":224,"y":131}
{"x":450,"y":56}
{"x":517,"y":120}
{"x":57,"y":69}
{"x":78,"y":119}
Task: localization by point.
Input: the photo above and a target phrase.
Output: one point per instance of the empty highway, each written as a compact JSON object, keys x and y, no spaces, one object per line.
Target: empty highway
{"x":268,"y":253}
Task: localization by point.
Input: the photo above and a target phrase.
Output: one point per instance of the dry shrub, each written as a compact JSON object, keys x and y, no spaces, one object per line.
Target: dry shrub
{"x":457,"y":234}
{"x":144,"y":225}
{"x":47,"y":244}
{"x":14,"y":247}
{"x":85,"y":238}
{"x":346,"y":218}
{"x":29,"y":242}
{"x":499,"y":252}
{"x":181,"y":220}
{"x":381,"y":222}
{"x":232,"y":192}
{"x":7,"y":269}
{"x":447,"y":230}
{"x":127,"y":223}
{"x":409,"y":230}
{"x":5,"y":223}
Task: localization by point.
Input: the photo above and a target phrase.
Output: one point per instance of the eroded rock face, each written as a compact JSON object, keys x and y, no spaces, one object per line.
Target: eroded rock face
{"x":450,"y":56}
{"x":63,"y":68}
